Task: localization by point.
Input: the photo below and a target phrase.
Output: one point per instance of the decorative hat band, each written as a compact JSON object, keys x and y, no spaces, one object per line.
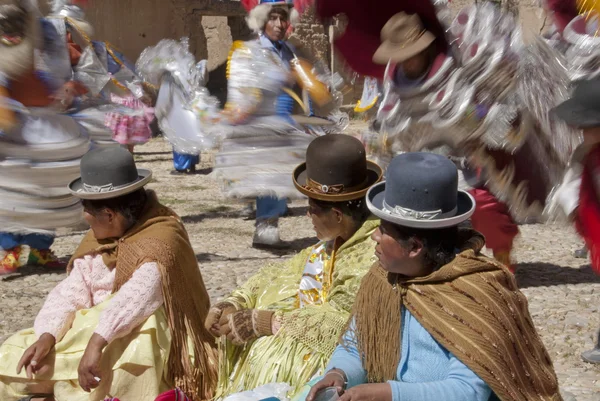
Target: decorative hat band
{"x":406,"y":213}
{"x":97,"y":189}
{"x":334,"y":189}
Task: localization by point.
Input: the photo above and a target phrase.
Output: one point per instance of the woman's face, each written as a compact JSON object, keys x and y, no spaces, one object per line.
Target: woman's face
{"x":105,"y":223}
{"x":326,"y":223}
{"x":398,"y":256}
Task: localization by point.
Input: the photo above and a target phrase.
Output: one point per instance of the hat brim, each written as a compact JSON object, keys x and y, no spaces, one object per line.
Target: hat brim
{"x":389,"y":51}
{"x":374,"y":175}
{"x":76,"y":187}
{"x":576,"y":114}
{"x":465,"y":206}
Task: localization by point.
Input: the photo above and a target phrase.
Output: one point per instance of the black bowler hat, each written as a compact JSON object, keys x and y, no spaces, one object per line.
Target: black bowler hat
{"x":421,"y":191}
{"x":582,"y":110}
{"x":336,"y":169}
{"x":108,"y":173}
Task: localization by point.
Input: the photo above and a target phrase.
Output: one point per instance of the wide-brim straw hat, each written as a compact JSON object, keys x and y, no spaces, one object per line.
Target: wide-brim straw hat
{"x":108,"y":173}
{"x":336,"y":169}
{"x":403,"y":37}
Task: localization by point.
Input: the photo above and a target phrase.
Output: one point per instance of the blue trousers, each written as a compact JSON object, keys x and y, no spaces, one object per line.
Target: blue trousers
{"x":36,"y":241}
{"x":184,"y":162}
{"x":268,"y":207}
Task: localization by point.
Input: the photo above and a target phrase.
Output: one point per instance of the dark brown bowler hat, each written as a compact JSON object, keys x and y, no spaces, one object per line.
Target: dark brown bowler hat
{"x":336,"y":169}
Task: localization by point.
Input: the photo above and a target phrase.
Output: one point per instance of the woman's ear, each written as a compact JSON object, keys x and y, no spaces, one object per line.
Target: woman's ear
{"x":416,"y":248}
{"x":339,"y":216}
{"x":110,"y":216}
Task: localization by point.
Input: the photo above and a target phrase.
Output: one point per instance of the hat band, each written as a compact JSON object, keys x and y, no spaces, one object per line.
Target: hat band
{"x":334,"y":189}
{"x":99,"y":189}
{"x":406,"y":213}
{"x":412,"y":36}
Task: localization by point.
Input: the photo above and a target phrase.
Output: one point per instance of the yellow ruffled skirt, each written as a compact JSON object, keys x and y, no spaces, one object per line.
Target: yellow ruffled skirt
{"x":133,"y":366}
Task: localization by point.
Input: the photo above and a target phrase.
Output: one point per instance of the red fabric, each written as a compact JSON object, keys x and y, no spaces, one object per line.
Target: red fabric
{"x":30,"y":90}
{"x":173,"y":395}
{"x":588,"y":214}
{"x":563,"y":11}
{"x":362,"y":35}
{"x":493,"y":220}
{"x":249,"y":4}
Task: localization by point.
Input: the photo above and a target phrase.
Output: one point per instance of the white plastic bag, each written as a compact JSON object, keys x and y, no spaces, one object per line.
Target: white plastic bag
{"x":277,"y":390}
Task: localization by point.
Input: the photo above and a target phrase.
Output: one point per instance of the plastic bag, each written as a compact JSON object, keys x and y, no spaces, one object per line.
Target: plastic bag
{"x":277,"y":390}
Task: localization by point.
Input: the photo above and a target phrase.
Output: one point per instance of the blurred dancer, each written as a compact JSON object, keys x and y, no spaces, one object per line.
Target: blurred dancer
{"x":39,"y":149}
{"x":583,"y":111}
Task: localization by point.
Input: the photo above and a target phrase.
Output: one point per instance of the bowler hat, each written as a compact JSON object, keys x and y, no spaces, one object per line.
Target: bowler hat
{"x":421,"y":191}
{"x":108,"y":173}
{"x":336,"y":169}
{"x":582,"y":110}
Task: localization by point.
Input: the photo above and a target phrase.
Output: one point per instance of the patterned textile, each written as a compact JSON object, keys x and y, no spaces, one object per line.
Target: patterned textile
{"x":130,"y":129}
{"x":308,"y":335}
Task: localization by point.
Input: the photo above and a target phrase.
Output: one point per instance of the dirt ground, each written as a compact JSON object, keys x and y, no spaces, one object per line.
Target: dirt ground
{"x":563,"y":292}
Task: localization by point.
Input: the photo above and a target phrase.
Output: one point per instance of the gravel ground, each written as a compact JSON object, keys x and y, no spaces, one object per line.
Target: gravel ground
{"x":563,"y":292}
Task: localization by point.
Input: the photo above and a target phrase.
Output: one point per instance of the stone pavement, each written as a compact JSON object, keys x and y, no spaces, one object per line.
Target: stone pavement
{"x":563,"y":292}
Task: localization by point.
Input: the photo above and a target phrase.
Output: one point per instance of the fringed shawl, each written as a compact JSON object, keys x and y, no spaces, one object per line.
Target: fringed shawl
{"x":159,"y":236}
{"x":471,"y":306}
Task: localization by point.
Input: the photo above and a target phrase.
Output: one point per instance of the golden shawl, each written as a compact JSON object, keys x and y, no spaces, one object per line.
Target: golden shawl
{"x":159,"y":236}
{"x":471,"y":306}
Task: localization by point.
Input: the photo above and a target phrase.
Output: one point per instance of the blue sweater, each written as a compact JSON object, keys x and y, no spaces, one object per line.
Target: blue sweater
{"x":427,"y":371}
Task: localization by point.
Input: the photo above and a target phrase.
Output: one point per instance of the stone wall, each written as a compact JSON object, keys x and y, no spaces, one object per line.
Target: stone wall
{"x":212,"y":26}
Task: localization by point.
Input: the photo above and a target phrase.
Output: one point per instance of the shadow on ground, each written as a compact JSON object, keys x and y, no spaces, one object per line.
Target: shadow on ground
{"x":548,"y":274}
{"x":25,"y":271}
{"x":291,"y":248}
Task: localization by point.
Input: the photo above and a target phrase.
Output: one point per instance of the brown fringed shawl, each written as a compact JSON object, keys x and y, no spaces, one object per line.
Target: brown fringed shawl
{"x":160,"y":237}
{"x":471,"y":306}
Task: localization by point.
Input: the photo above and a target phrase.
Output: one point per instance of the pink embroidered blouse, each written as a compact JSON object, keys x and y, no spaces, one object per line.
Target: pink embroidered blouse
{"x":89,"y":284}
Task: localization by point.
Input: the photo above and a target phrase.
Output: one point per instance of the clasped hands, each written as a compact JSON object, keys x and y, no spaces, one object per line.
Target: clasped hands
{"x":239,"y":326}
{"x":35,"y":360}
{"x":363,"y":392}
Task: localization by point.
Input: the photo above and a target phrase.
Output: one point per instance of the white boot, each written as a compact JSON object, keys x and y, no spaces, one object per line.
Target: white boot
{"x":266,"y":234}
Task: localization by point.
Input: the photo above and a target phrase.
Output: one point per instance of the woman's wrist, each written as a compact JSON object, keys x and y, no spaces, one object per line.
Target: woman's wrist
{"x":340,"y":374}
{"x":97,"y":342}
{"x":276,"y":322}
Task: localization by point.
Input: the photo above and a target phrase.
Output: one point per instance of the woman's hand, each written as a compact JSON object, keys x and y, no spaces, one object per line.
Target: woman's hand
{"x":217,"y":318}
{"x":247,"y":325}
{"x":334,"y":378}
{"x":89,"y":366}
{"x":368,"y":392}
{"x":33,"y":358}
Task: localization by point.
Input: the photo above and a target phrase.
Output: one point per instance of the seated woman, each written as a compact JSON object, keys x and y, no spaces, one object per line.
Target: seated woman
{"x":434,"y":319}
{"x":127,"y":322}
{"x":283,"y":324}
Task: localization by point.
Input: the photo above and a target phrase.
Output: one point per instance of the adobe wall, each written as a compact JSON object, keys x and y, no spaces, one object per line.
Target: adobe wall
{"x":212,"y":26}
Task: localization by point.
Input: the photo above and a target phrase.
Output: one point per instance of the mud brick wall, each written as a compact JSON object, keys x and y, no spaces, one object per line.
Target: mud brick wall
{"x":213,"y":25}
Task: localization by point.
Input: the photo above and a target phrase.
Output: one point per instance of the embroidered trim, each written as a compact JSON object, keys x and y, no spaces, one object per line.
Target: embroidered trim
{"x":96,"y":188}
{"x":404,"y":212}
{"x":334,"y":189}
